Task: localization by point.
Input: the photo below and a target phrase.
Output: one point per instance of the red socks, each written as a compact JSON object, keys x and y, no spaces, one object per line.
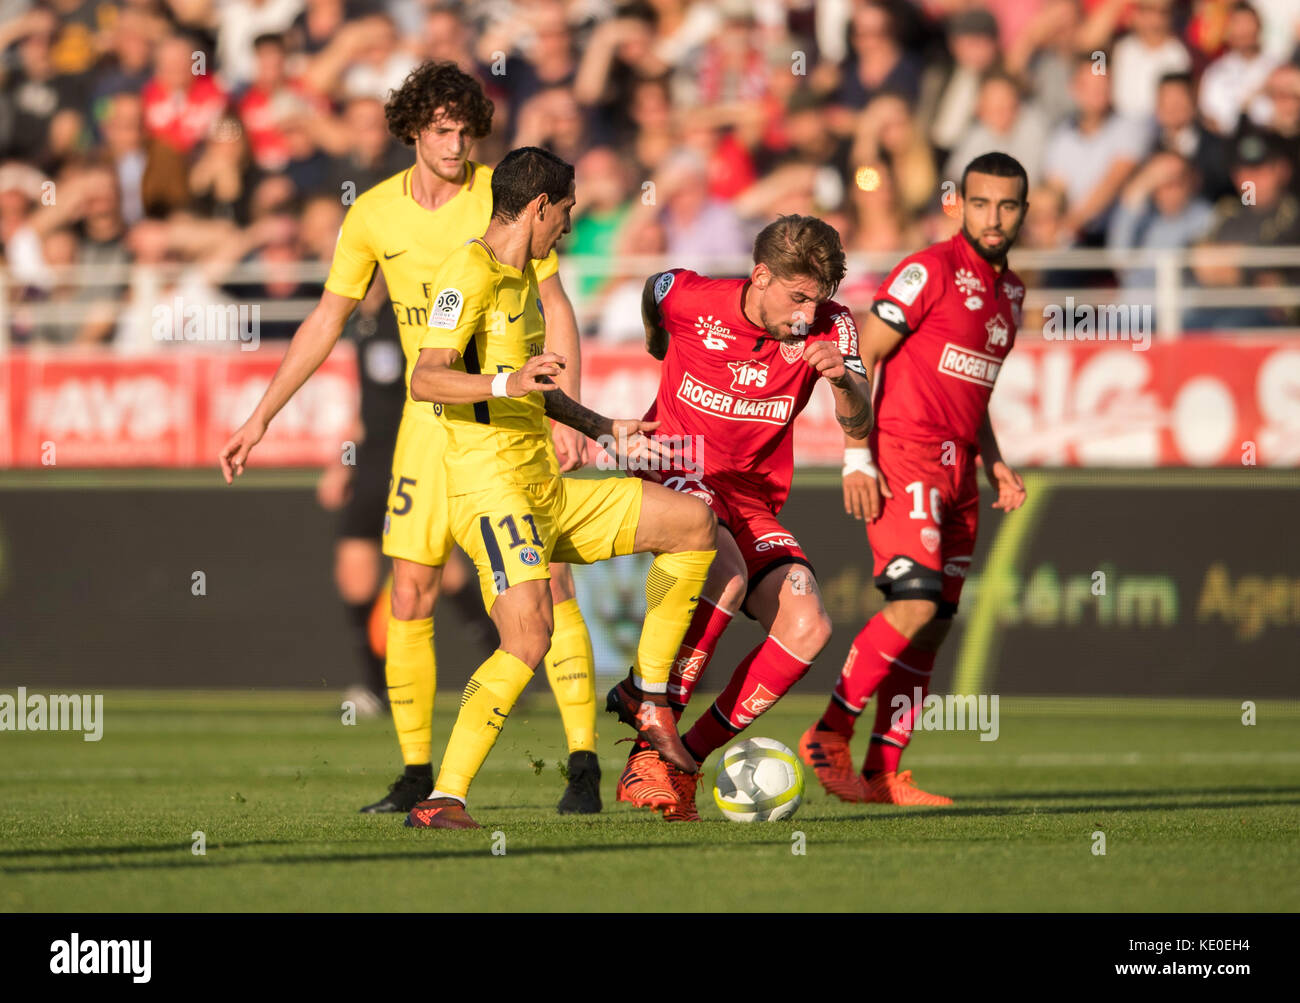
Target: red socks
{"x":871,"y":658}
{"x":909,"y":679}
{"x":693,"y":656}
{"x":761,"y":679}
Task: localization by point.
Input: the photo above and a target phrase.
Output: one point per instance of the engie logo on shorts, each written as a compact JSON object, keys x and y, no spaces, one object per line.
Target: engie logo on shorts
{"x":776,"y":540}
{"x":969,"y":365}
{"x":75,"y":956}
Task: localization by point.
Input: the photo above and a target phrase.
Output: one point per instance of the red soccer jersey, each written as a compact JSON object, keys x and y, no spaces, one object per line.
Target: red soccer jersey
{"x":732,"y":388}
{"x":958,"y":318}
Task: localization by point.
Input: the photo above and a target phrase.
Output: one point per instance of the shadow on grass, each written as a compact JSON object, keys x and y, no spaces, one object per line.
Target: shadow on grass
{"x":99,"y":851}
{"x":1157,"y":792}
{"x":414,"y":852}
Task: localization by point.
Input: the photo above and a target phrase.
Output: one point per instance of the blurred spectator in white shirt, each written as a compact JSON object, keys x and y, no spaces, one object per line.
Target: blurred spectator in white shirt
{"x":1143,"y":56}
{"x":948,"y":99}
{"x":241,"y":21}
{"x":1091,"y":157}
{"x":1003,"y":122}
{"x":1233,"y":84}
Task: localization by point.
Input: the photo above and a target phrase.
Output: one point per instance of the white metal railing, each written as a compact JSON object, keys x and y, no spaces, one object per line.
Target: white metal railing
{"x":1170,"y":290}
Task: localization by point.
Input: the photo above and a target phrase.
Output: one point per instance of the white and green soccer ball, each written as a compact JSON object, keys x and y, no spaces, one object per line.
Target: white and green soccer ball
{"x":759,"y":780}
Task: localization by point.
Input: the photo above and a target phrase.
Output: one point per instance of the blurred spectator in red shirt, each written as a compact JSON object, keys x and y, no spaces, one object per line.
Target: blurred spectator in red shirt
{"x":180,"y":106}
{"x":271,"y":101}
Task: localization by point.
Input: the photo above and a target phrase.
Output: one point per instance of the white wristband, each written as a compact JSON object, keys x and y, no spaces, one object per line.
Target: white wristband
{"x":499,"y":385}
{"x":858,"y":461}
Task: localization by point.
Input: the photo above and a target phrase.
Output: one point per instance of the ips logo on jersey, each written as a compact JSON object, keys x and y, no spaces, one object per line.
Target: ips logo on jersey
{"x":530,"y":557}
{"x":747,"y":375}
{"x":998,"y":331}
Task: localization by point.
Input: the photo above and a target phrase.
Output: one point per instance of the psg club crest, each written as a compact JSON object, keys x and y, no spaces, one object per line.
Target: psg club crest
{"x":998,"y":331}
{"x":530,"y":557}
{"x":792,"y":351}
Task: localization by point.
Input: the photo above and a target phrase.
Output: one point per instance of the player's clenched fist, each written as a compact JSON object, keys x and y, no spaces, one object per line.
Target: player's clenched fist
{"x":234,"y":454}
{"x":825,"y":357}
{"x":535,"y":375}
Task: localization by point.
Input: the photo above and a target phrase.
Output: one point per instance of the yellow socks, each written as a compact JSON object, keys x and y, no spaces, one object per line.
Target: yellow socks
{"x":672,"y":591}
{"x":412,"y":679}
{"x":570,"y":669}
{"x":489,"y":697}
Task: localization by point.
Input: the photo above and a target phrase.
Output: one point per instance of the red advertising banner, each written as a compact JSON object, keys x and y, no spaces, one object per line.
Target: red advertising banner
{"x":1199,"y":402}
{"x":93,"y":409}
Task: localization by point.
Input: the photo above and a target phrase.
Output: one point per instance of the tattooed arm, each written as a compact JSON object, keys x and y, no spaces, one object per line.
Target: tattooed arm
{"x":851,"y":389}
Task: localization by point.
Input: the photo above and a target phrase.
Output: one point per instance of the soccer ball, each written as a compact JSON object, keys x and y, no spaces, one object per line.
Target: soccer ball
{"x":759,"y":780}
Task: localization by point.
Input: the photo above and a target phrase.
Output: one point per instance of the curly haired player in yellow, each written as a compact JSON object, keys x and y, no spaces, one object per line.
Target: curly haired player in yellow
{"x":483,"y":359}
{"x":407,"y":225}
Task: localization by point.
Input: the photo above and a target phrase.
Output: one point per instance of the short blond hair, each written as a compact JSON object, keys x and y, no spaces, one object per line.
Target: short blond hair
{"x":798,"y":246}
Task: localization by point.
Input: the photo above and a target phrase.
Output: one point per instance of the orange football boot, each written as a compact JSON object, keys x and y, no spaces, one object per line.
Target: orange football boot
{"x":645,"y":781}
{"x":887,"y":788}
{"x":684,"y":786}
{"x":827,"y":752}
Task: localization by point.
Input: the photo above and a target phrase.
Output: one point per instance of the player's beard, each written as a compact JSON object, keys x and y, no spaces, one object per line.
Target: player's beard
{"x":993,"y":255}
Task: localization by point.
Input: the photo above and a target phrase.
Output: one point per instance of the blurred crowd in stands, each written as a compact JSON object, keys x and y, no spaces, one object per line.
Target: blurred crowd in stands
{"x":211,"y":133}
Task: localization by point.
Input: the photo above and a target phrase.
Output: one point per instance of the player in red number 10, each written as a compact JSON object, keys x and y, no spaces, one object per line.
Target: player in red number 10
{"x":941,"y":326}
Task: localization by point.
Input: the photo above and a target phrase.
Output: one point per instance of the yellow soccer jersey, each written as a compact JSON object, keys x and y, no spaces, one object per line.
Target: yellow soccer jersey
{"x":409,"y":242}
{"x":492,"y":315}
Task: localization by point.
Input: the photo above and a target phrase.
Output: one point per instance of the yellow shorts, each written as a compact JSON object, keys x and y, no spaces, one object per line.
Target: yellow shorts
{"x":416,"y":526}
{"x":513,"y":533}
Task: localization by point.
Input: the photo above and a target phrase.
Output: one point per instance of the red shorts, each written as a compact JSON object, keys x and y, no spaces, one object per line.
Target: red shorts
{"x":764,"y":543}
{"x":924,"y":538}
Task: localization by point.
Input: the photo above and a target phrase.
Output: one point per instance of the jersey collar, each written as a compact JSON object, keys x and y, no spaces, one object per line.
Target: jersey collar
{"x":408,"y":186}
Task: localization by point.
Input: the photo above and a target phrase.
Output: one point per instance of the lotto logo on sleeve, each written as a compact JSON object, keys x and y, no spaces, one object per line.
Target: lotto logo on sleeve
{"x":445,"y":313}
{"x":968,"y":365}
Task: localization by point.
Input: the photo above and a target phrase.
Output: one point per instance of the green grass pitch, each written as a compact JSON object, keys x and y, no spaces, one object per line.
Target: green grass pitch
{"x":1198,"y":810}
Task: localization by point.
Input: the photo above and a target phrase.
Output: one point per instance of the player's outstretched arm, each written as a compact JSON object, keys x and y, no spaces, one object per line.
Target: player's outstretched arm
{"x":656,"y":335}
{"x":311,"y":345}
{"x":1008,"y":484}
{"x":624,"y":438}
{"x":435,"y":381}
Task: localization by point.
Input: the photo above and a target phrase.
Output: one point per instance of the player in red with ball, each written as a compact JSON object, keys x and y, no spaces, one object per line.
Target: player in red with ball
{"x":740,"y":360}
{"x":941,"y":325}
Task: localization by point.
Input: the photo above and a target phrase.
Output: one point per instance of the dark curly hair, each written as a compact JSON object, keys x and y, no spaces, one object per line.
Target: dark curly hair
{"x":435,"y":85}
